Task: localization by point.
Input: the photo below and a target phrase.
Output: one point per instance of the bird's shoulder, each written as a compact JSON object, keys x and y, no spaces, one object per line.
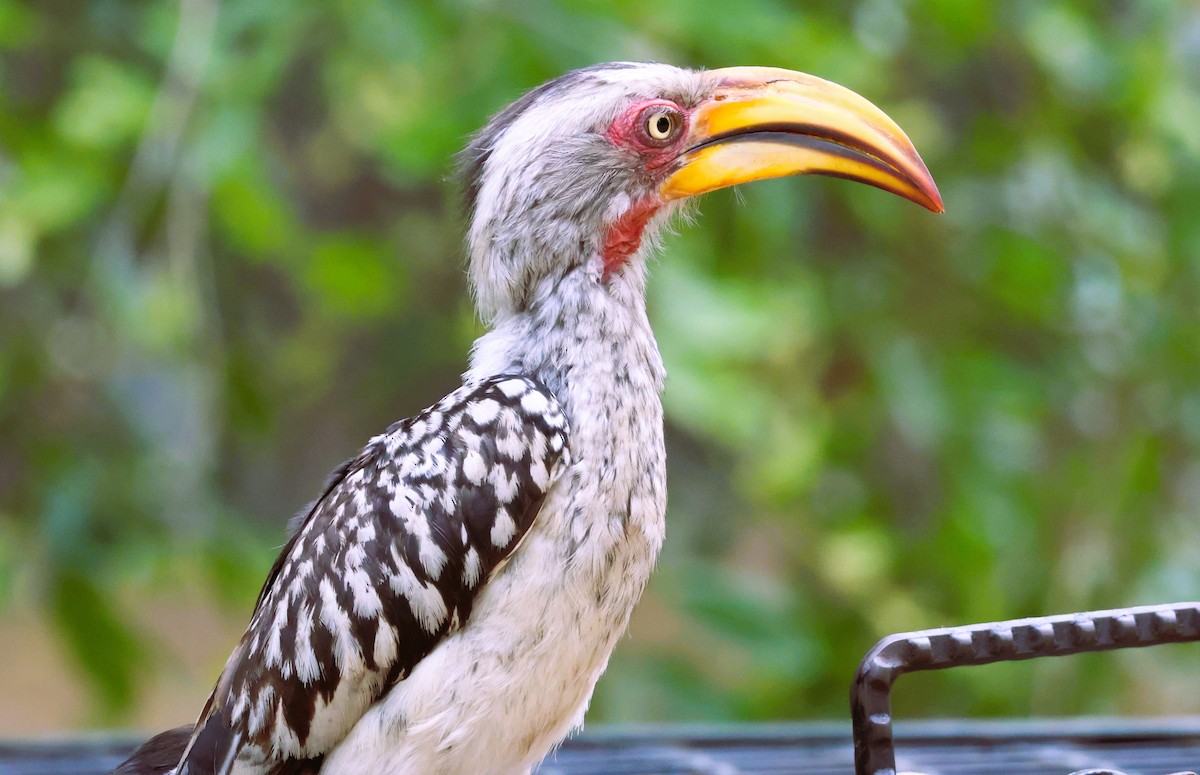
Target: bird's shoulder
{"x":380,"y":567}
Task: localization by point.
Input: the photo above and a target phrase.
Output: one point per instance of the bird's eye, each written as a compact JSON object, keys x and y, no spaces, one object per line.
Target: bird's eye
{"x":662,"y":125}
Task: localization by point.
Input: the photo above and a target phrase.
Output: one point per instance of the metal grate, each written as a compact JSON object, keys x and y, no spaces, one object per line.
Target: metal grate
{"x":983,"y":644}
{"x":1041,"y":747}
{"x":1051,"y":747}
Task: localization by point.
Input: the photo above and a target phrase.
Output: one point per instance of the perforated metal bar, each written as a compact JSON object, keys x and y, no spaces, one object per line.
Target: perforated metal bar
{"x":982,"y":644}
{"x":1145,"y":746}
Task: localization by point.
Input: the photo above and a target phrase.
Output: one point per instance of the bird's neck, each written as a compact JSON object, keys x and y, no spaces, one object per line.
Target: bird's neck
{"x":587,"y":339}
{"x":584,"y":334}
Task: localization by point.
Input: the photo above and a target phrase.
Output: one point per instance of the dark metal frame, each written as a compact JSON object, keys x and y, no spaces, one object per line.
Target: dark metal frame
{"x":983,"y":644}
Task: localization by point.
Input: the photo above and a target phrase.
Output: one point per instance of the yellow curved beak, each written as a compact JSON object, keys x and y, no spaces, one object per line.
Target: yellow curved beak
{"x":764,"y":122}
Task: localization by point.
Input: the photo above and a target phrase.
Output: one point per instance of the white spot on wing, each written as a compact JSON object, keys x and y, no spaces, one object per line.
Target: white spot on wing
{"x":503,"y":529}
{"x":510,"y":445}
{"x":282,"y":737}
{"x":345,"y":645}
{"x":239,"y":706}
{"x":539,"y":475}
{"x":386,"y":640}
{"x":485,"y":411}
{"x":513,"y":387}
{"x":366,"y":599}
{"x":534,"y":402}
{"x":472,"y":568}
{"x":263,"y":705}
{"x":433,"y":559}
{"x":474,"y":468}
{"x":426,"y":602}
{"x":537,"y":447}
{"x":506,"y":486}
{"x":308,"y":669}
{"x":469,"y":438}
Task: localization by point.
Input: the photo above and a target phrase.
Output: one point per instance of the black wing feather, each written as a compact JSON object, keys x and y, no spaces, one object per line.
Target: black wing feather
{"x":382,"y":566}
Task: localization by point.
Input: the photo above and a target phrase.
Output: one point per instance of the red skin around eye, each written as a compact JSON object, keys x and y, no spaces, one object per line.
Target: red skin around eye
{"x":627,"y":131}
{"x":624,"y":235}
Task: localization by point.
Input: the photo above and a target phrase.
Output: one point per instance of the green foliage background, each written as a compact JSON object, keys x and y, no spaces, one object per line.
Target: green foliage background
{"x":230,"y":252}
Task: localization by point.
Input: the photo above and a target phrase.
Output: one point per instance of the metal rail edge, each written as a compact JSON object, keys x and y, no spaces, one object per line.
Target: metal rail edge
{"x":984,"y":644}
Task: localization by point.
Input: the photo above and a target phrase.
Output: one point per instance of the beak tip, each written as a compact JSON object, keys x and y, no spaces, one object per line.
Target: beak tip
{"x":932,"y":199}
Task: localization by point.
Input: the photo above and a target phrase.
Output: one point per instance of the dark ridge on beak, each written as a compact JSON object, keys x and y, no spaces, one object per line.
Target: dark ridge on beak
{"x":817,"y":138}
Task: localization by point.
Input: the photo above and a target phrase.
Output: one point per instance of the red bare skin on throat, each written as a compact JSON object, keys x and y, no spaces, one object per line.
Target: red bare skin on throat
{"x":624,"y":235}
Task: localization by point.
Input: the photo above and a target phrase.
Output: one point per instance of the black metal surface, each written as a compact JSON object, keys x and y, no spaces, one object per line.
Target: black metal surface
{"x":1040,"y":747}
{"x":982,"y":644}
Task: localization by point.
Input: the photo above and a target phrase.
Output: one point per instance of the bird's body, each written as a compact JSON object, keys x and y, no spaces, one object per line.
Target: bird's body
{"x":450,"y":601}
{"x":492,"y":698}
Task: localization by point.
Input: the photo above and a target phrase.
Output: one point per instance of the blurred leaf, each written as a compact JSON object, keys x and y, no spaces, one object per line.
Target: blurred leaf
{"x":254,"y":217}
{"x":53,"y":191}
{"x":106,"y":105}
{"x":16,"y":250}
{"x":349,"y":278}
{"x":237,"y":563}
{"x":17,"y":24}
{"x":111,"y":656}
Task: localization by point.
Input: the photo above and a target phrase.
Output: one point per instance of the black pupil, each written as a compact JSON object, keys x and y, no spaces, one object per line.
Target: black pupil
{"x":663,"y":125}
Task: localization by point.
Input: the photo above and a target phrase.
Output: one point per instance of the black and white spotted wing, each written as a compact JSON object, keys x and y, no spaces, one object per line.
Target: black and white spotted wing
{"x":386,"y":563}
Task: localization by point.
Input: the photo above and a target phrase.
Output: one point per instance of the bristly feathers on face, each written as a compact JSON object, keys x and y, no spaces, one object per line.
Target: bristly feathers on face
{"x":548,"y":190}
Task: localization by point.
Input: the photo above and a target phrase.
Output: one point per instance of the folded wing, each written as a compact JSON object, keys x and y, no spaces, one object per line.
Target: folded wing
{"x":385,"y":564}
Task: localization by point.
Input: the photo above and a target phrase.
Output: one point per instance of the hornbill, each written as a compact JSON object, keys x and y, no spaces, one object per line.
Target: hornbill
{"x":449,"y":601}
